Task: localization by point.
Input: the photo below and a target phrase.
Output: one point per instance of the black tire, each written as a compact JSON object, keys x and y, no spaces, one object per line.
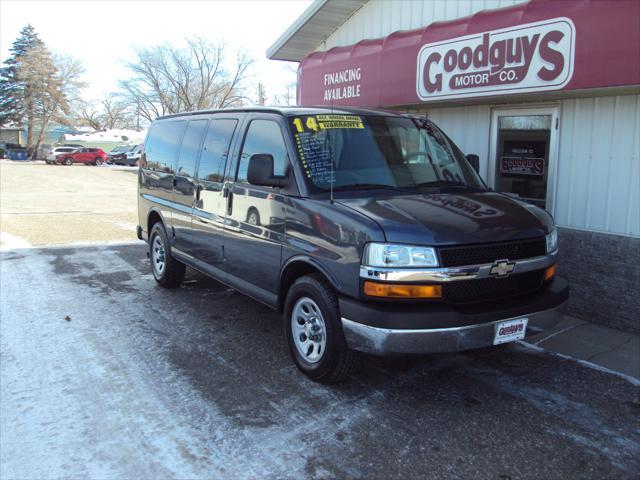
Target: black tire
{"x":253,"y":217}
{"x":337,"y":361}
{"x":97,"y":162}
{"x":172,"y":273}
{"x":68,"y":161}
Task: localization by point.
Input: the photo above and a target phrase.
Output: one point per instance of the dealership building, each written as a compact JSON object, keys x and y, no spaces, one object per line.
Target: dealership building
{"x":545,"y":92}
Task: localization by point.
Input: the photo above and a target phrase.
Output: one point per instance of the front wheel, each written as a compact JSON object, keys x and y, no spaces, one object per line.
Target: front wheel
{"x":68,"y":161}
{"x":97,"y":162}
{"x":314,"y":330}
{"x":167,"y":271}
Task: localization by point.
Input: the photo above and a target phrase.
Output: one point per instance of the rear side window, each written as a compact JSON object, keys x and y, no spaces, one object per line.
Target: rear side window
{"x":263,"y":136}
{"x":215,"y":150}
{"x":190,"y":147}
{"x":162,"y":145}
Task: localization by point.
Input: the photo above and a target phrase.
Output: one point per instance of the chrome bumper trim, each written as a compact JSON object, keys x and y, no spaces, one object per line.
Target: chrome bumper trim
{"x":385,"y":341}
{"x":452,"y":274}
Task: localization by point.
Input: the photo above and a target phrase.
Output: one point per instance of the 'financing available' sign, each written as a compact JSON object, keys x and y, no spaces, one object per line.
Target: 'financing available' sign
{"x":531,"y":57}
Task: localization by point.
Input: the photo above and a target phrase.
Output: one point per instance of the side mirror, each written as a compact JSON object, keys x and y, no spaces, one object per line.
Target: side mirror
{"x":260,"y":171}
{"x":474,"y":160}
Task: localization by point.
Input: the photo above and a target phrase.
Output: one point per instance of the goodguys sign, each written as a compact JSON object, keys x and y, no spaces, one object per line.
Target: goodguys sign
{"x":534,"y":47}
{"x":531,"y":57}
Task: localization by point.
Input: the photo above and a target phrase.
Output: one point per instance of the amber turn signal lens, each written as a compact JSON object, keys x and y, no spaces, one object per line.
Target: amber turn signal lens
{"x":390,"y":290}
{"x":550,"y":272}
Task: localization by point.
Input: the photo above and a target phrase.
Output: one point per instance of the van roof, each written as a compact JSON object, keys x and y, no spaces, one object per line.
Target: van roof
{"x":290,"y":111}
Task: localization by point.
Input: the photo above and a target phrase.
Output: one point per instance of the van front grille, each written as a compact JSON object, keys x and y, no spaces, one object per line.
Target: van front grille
{"x":490,"y":252}
{"x":484,"y":289}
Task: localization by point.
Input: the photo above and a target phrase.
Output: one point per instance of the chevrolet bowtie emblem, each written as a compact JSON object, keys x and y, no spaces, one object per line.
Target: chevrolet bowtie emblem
{"x":502,"y":268}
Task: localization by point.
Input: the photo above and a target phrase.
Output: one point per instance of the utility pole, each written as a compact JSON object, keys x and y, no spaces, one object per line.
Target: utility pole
{"x":262,"y":96}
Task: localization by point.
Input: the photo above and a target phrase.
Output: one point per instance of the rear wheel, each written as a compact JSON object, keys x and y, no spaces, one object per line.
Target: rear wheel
{"x":167,"y":271}
{"x":253,"y":217}
{"x":314,"y":330}
{"x":68,"y":161}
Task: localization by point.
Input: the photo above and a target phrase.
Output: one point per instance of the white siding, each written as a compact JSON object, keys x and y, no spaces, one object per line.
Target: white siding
{"x":598,"y":174}
{"x":378,"y":18}
{"x":598,"y":186}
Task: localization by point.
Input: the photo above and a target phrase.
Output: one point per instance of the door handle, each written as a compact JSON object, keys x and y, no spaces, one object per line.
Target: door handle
{"x":199,"y":189}
{"x":230,"y":203}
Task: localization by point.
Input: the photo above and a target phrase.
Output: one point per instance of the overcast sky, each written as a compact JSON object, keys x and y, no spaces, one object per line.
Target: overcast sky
{"x":101,"y":33}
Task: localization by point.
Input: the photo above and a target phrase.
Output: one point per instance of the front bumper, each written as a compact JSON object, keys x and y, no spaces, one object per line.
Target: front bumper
{"x":375,"y":329}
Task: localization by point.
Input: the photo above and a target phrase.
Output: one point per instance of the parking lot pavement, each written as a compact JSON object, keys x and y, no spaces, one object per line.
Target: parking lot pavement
{"x":106,"y":375}
{"x":52,"y":204}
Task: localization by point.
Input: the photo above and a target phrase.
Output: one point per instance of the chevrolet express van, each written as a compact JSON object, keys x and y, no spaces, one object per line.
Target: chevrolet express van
{"x":368,"y":230}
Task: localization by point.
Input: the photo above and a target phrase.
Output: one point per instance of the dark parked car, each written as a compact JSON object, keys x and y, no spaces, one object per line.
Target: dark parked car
{"x":88,"y":156}
{"x":130,"y":156}
{"x":368,"y":230}
{"x":117,"y":154}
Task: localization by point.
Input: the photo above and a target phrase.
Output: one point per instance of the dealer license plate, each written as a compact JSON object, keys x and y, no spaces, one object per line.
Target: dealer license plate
{"x":510,"y":331}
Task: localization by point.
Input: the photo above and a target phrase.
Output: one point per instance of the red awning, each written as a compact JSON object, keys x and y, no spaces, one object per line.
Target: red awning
{"x":543,"y":45}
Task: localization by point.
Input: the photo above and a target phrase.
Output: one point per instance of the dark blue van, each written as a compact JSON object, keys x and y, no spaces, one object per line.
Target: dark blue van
{"x":368,"y":230}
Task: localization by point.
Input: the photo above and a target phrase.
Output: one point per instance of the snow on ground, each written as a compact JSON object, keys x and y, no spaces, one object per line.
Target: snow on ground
{"x":105,"y":375}
{"x":78,"y":402}
{"x":11,"y":242}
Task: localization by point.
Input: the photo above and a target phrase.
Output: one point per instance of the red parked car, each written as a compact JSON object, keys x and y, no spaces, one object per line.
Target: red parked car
{"x":93,"y":156}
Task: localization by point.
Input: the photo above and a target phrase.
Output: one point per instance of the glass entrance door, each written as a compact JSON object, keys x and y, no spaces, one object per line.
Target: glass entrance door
{"x":522,"y":153}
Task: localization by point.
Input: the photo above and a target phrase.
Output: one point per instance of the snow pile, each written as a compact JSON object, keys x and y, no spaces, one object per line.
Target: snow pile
{"x":115,"y":135}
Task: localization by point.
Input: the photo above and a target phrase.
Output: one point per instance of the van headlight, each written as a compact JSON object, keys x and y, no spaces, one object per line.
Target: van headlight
{"x":391,"y":255}
{"x":552,"y":240}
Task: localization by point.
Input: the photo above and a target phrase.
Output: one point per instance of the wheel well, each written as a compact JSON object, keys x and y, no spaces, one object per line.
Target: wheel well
{"x":154,"y":217}
{"x":292,"y":272}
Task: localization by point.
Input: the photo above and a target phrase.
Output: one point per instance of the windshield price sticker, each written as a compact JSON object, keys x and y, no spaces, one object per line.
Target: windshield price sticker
{"x":323,"y":122}
{"x":316,"y":160}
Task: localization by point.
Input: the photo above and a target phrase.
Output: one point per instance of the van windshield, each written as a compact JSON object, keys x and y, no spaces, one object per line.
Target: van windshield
{"x":373,"y":151}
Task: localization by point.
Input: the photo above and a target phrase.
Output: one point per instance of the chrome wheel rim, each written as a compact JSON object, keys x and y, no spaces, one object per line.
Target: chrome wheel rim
{"x":158,"y":260}
{"x":308,"y":330}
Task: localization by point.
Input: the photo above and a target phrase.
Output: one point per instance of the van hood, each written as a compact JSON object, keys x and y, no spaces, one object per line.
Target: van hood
{"x":452,"y":219}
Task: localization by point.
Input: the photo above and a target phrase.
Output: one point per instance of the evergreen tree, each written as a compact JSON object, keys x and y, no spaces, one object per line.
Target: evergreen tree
{"x":13,"y":104}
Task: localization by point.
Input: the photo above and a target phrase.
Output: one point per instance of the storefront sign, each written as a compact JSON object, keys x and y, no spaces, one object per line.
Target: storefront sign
{"x":531,"y":47}
{"x":523,"y":158}
{"x":531,"y":57}
{"x":342,"y":85}
{"x":522,"y":166}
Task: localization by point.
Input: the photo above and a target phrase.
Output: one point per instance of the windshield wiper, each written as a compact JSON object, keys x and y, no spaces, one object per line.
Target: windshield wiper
{"x":364,"y":186}
{"x":448,"y":183}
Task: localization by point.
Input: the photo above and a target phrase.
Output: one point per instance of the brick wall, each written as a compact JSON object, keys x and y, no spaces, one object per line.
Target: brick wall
{"x":604,"y":273}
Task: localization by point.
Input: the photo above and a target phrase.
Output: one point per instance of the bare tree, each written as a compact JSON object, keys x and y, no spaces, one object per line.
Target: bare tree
{"x":287,"y":95}
{"x":53,"y":83}
{"x":112,"y":112}
{"x":89,"y":115}
{"x":166,"y":79}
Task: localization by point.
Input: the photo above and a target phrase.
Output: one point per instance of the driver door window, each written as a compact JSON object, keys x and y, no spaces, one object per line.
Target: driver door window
{"x":263,"y":136}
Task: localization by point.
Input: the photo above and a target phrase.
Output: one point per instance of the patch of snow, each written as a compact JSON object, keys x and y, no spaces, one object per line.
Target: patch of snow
{"x":12,"y":242}
{"x":115,"y":135}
